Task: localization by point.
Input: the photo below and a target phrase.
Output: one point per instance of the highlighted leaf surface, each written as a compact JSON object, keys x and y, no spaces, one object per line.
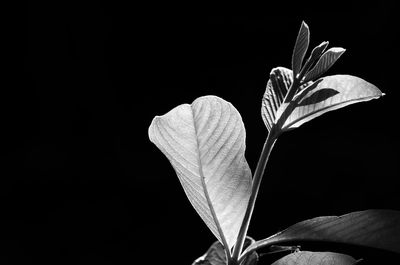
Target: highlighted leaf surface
{"x":205,"y":143}
{"x":315,"y":258}
{"x":278,"y":84}
{"x":327,"y":94}
{"x":280,"y":80}
{"x":300,"y":48}
{"x":324,"y":63}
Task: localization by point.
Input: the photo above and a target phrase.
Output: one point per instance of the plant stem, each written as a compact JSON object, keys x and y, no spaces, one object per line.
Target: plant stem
{"x":262,"y":162}
{"x":262,"y":244}
{"x":232,"y":262}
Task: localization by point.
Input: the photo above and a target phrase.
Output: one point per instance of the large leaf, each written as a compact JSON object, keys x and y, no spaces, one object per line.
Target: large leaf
{"x":278,"y":84}
{"x":205,"y":143}
{"x":215,"y":255}
{"x":371,"y":228}
{"x":326,"y":94}
{"x":324,"y":63}
{"x":300,"y":48}
{"x":315,"y":258}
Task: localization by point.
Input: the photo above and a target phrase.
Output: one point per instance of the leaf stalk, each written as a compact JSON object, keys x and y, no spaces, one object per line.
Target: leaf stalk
{"x":258,"y":175}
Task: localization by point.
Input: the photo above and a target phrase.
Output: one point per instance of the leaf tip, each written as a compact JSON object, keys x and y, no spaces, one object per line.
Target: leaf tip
{"x":150,"y":130}
{"x":338,"y":50}
{"x":304,"y":25}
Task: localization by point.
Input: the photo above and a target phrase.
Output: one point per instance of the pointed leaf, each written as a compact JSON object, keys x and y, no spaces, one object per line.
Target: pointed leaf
{"x":205,"y":143}
{"x":327,"y":94}
{"x":371,"y":228}
{"x":300,"y":48}
{"x":317,"y":51}
{"x":324,"y":63}
{"x":277,"y":87}
{"x":315,"y":258}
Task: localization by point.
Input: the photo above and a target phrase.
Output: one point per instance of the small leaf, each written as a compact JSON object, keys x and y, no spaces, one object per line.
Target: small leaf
{"x":324,"y":63}
{"x":277,"y":87}
{"x":215,"y":255}
{"x":371,"y":228}
{"x":317,"y":51}
{"x":315,"y":258}
{"x":327,"y":94}
{"x":300,"y":48}
{"x":205,"y":143}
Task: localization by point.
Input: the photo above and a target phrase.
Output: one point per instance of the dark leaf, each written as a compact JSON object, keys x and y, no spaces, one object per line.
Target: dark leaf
{"x":371,"y":228}
{"x":315,"y":258}
{"x":317,"y":51}
{"x":215,"y":255}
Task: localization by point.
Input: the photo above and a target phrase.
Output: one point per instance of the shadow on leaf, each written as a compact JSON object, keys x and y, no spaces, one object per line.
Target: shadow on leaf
{"x":318,"y":96}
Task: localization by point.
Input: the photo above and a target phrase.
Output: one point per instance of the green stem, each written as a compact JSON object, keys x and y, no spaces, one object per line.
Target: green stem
{"x":262,"y":162}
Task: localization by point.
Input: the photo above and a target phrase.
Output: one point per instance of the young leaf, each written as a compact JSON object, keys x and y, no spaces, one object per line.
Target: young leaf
{"x":324,"y":63}
{"x":300,"y":48}
{"x":277,"y":87}
{"x":371,"y":228}
{"x":278,"y":84}
{"x":315,"y":258}
{"x":317,"y":51}
{"x":205,"y":143}
{"x":327,"y":94}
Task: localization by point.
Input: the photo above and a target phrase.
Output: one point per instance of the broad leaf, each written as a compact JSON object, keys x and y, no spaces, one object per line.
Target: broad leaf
{"x":300,"y":48}
{"x":215,"y":255}
{"x":315,"y":258}
{"x":205,"y":143}
{"x":371,"y":228}
{"x":326,"y":94}
{"x":277,"y":86}
{"x":324,"y":63}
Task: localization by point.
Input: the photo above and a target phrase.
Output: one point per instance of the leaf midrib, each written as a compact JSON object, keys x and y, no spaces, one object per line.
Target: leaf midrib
{"x":213,"y":214}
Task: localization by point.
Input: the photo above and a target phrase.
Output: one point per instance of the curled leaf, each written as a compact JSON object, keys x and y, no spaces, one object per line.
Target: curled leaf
{"x":277,"y":87}
{"x":205,"y":143}
{"x":318,"y":50}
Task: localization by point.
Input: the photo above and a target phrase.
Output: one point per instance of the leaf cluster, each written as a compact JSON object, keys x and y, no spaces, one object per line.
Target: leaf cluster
{"x":205,"y":143}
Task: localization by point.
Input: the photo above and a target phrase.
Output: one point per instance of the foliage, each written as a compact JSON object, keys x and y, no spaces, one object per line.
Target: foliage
{"x":205,"y":143}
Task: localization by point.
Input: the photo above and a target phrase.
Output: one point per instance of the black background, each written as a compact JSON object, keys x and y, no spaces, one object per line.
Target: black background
{"x":81,"y":182}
